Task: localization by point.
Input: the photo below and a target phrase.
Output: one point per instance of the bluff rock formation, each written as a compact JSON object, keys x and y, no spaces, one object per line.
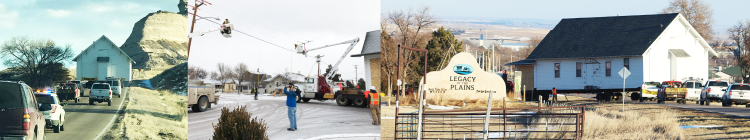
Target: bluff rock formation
{"x":159,"y":39}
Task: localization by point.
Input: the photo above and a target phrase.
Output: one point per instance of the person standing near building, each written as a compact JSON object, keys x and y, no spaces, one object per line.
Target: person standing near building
{"x":374,"y":105}
{"x":291,"y":103}
{"x":554,"y":95}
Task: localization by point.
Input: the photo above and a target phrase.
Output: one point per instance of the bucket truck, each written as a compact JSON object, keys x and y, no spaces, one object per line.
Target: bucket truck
{"x":322,"y":88}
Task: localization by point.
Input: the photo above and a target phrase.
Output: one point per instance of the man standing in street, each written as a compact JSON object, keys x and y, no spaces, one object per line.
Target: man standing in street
{"x":291,"y":103}
{"x":255,"y":90}
{"x":374,"y":105}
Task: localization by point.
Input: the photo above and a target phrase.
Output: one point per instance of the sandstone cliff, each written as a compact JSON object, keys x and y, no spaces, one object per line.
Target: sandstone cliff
{"x":158,"y":39}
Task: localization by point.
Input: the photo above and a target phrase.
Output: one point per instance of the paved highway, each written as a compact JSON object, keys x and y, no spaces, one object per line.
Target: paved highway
{"x":87,"y":122}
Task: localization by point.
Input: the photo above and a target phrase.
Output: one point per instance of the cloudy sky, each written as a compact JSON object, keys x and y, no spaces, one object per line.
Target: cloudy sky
{"x":726,"y":13}
{"x":284,"y":23}
{"x":75,"y":22}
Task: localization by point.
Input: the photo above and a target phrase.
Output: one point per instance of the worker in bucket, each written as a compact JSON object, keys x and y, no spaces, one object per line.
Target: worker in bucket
{"x":291,"y":103}
{"x":374,"y":104}
{"x":226,"y":21}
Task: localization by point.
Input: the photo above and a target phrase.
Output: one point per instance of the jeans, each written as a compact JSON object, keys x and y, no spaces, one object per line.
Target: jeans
{"x":292,"y":111}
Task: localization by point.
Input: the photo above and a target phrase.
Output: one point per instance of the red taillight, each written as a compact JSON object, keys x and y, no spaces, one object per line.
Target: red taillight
{"x":730,"y":93}
{"x":89,"y":91}
{"x":54,"y":109}
{"x":26,"y":120}
{"x":110,"y":92}
{"x":709,"y":89}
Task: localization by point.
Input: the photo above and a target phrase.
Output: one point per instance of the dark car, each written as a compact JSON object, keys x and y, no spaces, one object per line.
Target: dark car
{"x":20,"y":115}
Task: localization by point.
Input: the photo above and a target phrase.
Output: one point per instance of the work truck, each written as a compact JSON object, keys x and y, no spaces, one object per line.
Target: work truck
{"x":201,"y":96}
{"x":673,"y":91}
{"x":321,"y":88}
{"x":69,"y":91}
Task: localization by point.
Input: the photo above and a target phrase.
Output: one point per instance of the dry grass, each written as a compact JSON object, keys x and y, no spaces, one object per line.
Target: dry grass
{"x":151,"y":114}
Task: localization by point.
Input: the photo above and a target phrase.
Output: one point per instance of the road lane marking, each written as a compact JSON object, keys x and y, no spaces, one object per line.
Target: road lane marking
{"x":113,"y":117}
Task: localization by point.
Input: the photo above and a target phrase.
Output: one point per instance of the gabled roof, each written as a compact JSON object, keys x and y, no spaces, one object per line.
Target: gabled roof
{"x":112,"y":44}
{"x":602,"y":36}
{"x":371,"y":45}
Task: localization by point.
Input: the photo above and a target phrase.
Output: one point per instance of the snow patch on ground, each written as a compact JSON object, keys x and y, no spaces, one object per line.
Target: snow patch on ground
{"x":700,"y":126}
{"x":437,"y":107}
{"x":367,"y":136}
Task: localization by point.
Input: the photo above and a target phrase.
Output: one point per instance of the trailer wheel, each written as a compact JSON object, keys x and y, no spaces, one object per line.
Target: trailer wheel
{"x":747,"y":106}
{"x":341,"y":101}
{"x":707,"y":102}
{"x":634,"y":96}
{"x":360,"y":102}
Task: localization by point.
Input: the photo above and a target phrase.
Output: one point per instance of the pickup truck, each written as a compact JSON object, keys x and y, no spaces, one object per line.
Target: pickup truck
{"x":100,"y":92}
{"x":671,"y":90}
{"x":736,"y":94}
{"x":69,"y":91}
{"x":693,"y":88}
{"x":714,"y":90}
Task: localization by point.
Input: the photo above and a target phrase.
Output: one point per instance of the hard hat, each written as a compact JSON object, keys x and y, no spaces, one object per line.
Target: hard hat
{"x":372,"y":87}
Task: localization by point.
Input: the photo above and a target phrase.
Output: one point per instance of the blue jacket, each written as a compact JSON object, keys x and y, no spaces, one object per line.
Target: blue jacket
{"x":291,"y":97}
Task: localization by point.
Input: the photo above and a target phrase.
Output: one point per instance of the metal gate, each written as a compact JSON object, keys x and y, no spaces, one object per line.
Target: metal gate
{"x":563,"y":122}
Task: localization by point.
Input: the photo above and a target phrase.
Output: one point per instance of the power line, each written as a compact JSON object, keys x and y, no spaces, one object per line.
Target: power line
{"x":256,"y":38}
{"x":269,"y":32}
{"x":248,"y":19}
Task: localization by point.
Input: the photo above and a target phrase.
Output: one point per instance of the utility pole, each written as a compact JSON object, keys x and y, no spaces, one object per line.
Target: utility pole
{"x":195,"y":13}
{"x":355,"y":73}
{"x":317,"y":57}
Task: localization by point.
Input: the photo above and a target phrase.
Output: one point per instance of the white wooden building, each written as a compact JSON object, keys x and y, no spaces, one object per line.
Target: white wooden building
{"x":371,"y":53}
{"x":103,"y":59}
{"x":586,"y":54}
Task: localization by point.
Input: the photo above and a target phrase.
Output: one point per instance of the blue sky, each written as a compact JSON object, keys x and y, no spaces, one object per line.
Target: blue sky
{"x":726,"y":12}
{"x":75,"y":22}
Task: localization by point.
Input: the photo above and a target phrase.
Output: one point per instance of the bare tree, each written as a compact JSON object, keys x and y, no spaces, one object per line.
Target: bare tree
{"x":411,"y":25}
{"x":533,"y":42}
{"x":699,"y":14}
{"x":242,"y":74}
{"x":740,"y":34}
{"x":197,"y":72}
{"x":225,"y":73}
{"x":39,"y":60}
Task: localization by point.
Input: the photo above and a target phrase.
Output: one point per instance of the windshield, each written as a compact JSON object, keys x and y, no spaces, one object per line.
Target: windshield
{"x":651,"y":83}
{"x":692,"y":85}
{"x":740,"y":87}
{"x":718,"y":83}
{"x":114,"y":83}
{"x":11,"y":96}
{"x":45,"y":99}
{"x":100,"y":86}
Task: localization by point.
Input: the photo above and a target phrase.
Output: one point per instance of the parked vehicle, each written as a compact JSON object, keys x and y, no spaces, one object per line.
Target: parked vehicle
{"x":714,"y":89}
{"x":736,"y":94}
{"x":672,"y":90}
{"x":69,"y":91}
{"x":54,"y":113}
{"x":100,"y":92}
{"x":20,"y":115}
{"x":201,"y":96}
{"x":649,"y":91}
{"x":693,"y":92}
{"x":116,"y":86}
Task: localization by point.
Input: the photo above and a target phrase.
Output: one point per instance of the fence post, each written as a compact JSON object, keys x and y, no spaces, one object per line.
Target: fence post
{"x":505,"y":120}
{"x":486,"y":134}
{"x":524,"y":93}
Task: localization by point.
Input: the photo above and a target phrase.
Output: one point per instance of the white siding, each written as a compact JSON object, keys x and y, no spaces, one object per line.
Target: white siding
{"x":118,"y":66}
{"x":544,"y":74}
{"x":368,"y":74}
{"x":660,"y":67}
